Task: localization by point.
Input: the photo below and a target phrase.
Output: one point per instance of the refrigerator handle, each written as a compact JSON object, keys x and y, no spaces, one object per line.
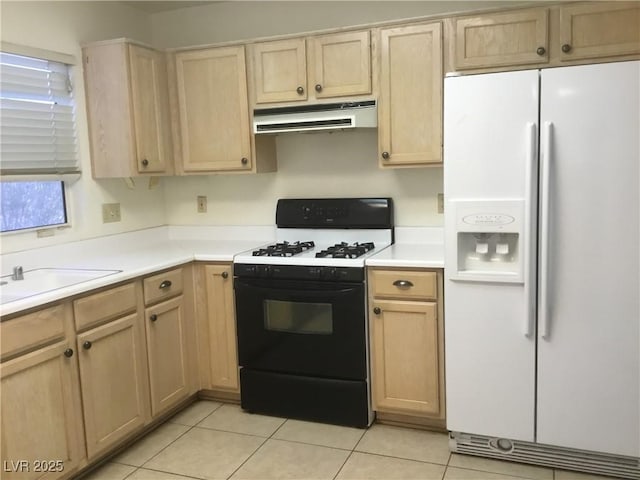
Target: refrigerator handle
{"x":543,"y":308}
{"x":529,"y":242}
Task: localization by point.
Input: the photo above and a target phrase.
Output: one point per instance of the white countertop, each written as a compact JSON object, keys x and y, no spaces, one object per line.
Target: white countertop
{"x":146,"y":251}
{"x":409,"y":255}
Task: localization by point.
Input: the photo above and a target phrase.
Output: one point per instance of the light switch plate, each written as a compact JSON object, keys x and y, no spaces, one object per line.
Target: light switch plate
{"x":110,"y":212}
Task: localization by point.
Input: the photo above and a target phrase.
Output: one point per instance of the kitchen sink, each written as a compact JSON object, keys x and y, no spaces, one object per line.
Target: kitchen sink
{"x":41,"y":280}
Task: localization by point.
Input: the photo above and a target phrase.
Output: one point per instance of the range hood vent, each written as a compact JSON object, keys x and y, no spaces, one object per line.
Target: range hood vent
{"x":308,"y":118}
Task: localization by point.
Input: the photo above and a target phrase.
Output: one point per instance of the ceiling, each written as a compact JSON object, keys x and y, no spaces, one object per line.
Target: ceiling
{"x":155,"y":7}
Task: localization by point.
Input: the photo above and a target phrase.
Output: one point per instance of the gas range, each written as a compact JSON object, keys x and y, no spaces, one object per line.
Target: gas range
{"x":301,"y":310}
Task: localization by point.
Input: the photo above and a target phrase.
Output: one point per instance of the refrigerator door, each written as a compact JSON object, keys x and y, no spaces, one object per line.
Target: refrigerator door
{"x":489,"y":149}
{"x":589,"y":315}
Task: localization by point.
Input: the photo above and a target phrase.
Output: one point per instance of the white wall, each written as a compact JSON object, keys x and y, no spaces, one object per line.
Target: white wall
{"x":63,"y":27}
{"x":342,"y":164}
{"x":309,"y":165}
{"x":236,"y":20}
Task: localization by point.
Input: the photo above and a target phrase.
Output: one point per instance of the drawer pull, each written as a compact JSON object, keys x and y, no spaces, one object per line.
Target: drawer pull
{"x":403,"y":284}
{"x":153,"y":317}
{"x":68,"y":353}
{"x":165,"y":284}
{"x":86,"y":345}
{"x":377,"y":310}
{"x":225,"y":275}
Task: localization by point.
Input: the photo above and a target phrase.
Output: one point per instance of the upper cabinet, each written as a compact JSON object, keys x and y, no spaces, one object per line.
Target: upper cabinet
{"x":599,"y":30}
{"x":410,"y":101}
{"x":545,"y":37}
{"x":509,"y":38}
{"x":301,"y":69}
{"x":213,"y":111}
{"x":128,"y":110}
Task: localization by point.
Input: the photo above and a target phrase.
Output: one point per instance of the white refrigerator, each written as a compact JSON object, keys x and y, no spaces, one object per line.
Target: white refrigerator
{"x":542,"y":266}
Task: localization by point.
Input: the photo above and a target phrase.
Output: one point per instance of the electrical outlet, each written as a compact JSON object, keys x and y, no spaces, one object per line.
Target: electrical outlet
{"x":441,"y":203}
{"x":202,"y":204}
{"x":110,"y":212}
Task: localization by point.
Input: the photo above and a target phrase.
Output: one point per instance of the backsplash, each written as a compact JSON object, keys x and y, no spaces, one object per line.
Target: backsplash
{"x":339,"y":164}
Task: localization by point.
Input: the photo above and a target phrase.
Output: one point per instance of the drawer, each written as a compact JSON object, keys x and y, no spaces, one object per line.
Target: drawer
{"x":106,"y":305}
{"x":162,"y":286}
{"x":404,"y":284}
{"x":30,"y":331}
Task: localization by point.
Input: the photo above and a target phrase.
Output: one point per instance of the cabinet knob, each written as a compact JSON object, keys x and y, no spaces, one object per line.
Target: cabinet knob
{"x":377,"y":310}
{"x":145,"y":162}
{"x":153,"y":317}
{"x":318,"y":87}
{"x":165,"y":284}
{"x":403,"y":284}
{"x":244,"y":160}
{"x":225,"y":275}
{"x":300,"y":90}
{"x":566,"y":48}
{"x":68,"y":353}
{"x":541,"y":51}
{"x":86,"y":345}
{"x":385,"y":155}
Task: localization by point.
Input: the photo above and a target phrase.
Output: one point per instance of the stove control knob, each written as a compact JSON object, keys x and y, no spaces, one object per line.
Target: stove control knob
{"x":332,"y":273}
{"x":314,"y":272}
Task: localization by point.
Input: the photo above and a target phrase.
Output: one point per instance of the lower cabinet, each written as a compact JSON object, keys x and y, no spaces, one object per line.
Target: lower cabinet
{"x":167,"y":354}
{"x":217,"y":328}
{"x":114,"y":382}
{"x":41,"y":425}
{"x":406,"y":330}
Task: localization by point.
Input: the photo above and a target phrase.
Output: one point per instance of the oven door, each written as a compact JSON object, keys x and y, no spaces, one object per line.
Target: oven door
{"x":302,"y":327}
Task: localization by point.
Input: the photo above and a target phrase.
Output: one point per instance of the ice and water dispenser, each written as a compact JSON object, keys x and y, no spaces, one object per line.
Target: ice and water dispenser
{"x":488,"y":239}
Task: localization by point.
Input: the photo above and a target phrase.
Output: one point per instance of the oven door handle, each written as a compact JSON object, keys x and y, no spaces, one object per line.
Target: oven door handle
{"x":292,"y":292}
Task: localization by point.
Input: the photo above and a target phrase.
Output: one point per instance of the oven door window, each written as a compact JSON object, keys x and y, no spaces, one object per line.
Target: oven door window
{"x":298,"y":317}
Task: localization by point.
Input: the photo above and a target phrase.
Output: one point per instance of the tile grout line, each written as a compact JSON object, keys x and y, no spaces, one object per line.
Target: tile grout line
{"x":353,"y":449}
{"x":259,"y":447}
{"x":171,"y":473}
{"x":191,"y":427}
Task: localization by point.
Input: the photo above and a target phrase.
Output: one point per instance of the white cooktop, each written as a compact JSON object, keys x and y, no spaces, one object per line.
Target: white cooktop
{"x":323,"y":238}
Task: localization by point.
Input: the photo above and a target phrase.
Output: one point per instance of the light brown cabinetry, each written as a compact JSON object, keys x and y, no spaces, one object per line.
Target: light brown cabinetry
{"x":505,"y":38}
{"x":545,"y":37}
{"x":324,"y":66}
{"x":599,"y":30}
{"x":167,"y":336}
{"x":114,"y":382}
{"x":128,"y":110}
{"x":410,"y":102}
{"x":41,"y":412}
{"x":217,"y":328}
{"x":213,"y":110}
{"x":407,"y":342}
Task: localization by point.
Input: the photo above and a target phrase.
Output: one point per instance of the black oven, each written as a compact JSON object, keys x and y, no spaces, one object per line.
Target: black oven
{"x":302,"y":344}
{"x":301,"y":311}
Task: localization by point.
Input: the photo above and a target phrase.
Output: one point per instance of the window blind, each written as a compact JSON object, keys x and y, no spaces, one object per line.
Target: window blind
{"x":37,"y":115}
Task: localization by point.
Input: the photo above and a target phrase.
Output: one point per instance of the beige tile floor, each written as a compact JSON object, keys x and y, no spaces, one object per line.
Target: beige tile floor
{"x":210,"y":440}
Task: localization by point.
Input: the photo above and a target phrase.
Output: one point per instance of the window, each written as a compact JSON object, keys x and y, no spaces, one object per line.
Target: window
{"x":37,"y":141}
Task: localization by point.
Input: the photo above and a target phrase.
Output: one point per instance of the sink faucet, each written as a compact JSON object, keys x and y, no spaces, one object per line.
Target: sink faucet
{"x":17,"y":273}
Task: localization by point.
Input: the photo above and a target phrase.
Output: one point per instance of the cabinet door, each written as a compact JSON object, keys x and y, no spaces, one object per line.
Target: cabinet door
{"x":599,"y":30}
{"x":340,"y":64}
{"x":280,"y":71}
{"x":167,"y":351}
{"x":410,"y":110}
{"x":41,"y":418}
{"x":512,"y":38}
{"x":113,"y":382}
{"x":222,"y":327}
{"x":150,"y":109}
{"x":213,"y":110}
{"x":405,"y":357}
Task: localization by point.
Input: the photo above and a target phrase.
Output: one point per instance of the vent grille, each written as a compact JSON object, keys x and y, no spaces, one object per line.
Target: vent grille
{"x":305,"y":125}
{"x":549,"y":456}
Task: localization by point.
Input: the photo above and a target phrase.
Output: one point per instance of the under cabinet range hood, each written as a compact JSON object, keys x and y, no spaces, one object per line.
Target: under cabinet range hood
{"x":318,"y":117}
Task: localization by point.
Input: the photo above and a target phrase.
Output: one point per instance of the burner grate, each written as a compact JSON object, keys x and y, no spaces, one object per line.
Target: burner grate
{"x":344,"y":250}
{"x":284,"y":249}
